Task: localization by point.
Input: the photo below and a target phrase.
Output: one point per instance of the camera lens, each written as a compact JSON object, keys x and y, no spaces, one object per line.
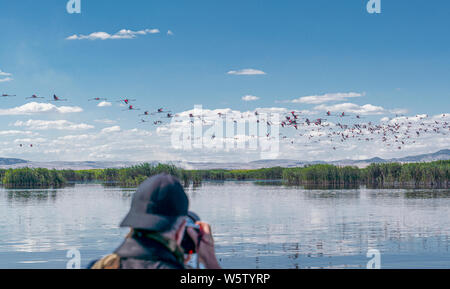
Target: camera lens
{"x":188,"y":244}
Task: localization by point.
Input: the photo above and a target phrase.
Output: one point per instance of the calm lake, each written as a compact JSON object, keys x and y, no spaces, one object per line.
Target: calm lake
{"x":256,"y":225}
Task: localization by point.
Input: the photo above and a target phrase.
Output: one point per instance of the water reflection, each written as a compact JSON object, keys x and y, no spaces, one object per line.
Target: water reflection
{"x":437,"y":194}
{"x":256,"y":224}
{"x":291,"y":223}
{"x":321,"y":194}
{"x":31,"y":195}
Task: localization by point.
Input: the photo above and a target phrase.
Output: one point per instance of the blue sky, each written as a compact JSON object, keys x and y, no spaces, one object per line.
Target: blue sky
{"x":399,"y":59}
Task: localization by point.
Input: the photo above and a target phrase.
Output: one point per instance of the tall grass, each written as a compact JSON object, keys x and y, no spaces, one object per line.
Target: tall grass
{"x":31,"y":178}
{"x":433,"y":174}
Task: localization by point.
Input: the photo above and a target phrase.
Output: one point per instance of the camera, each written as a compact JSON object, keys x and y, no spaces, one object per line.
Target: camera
{"x":188,"y":244}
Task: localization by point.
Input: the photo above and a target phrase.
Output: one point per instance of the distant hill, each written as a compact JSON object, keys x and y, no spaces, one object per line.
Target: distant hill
{"x":17,"y":163}
{"x":60,"y":165}
{"x":8,"y":161}
{"x":440,"y":155}
{"x":437,"y":156}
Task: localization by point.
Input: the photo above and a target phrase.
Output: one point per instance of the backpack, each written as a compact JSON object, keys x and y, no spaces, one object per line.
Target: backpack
{"x":109,"y":262}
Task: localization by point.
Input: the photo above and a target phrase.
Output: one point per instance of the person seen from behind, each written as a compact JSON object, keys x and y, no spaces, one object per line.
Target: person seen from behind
{"x":158,"y":220}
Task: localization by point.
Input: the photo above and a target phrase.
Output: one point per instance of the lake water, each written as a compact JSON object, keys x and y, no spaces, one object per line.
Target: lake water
{"x":256,"y":225}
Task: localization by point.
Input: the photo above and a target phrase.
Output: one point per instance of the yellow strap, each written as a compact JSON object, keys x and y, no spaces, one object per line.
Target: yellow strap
{"x":107,"y":263}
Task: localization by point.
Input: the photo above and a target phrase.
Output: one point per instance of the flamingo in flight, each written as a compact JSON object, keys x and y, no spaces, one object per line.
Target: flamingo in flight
{"x":126,"y":100}
{"x":161,"y":110}
{"x":131,"y":107}
{"x":57,"y":98}
{"x":34,"y":96}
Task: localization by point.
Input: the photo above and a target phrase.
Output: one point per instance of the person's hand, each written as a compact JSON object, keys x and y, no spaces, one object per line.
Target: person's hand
{"x":204,"y":245}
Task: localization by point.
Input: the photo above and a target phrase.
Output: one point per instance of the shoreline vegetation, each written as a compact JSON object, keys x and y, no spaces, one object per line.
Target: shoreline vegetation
{"x":393,"y":175}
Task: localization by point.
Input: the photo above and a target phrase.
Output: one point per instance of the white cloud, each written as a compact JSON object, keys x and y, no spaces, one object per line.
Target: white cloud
{"x":106,"y":121}
{"x":318,"y":99}
{"x":169,"y":32}
{"x":250,"y":98}
{"x":16,"y":132}
{"x":247,"y":71}
{"x":104,"y":104}
{"x":71,"y":138}
{"x":111,"y":129}
{"x":52,"y":125}
{"x":122,"y":34}
{"x":37,"y":108}
{"x":367,"y":109}
{"x":6,"y":75}
{"x":398,"y":111}
{"x":107,"y":145}
{"x":30,"y":140}
{"x":2,"y":73}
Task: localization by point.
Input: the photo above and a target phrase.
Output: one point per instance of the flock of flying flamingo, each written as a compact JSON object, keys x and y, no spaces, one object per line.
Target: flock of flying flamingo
{"x":335,"y":129}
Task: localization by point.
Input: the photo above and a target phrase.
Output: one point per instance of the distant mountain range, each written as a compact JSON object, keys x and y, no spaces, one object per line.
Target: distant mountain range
{"x":437,"y":156}
{"x":440,"y":155}
{"x":18,"y":163}
{"x":7,"y":162}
